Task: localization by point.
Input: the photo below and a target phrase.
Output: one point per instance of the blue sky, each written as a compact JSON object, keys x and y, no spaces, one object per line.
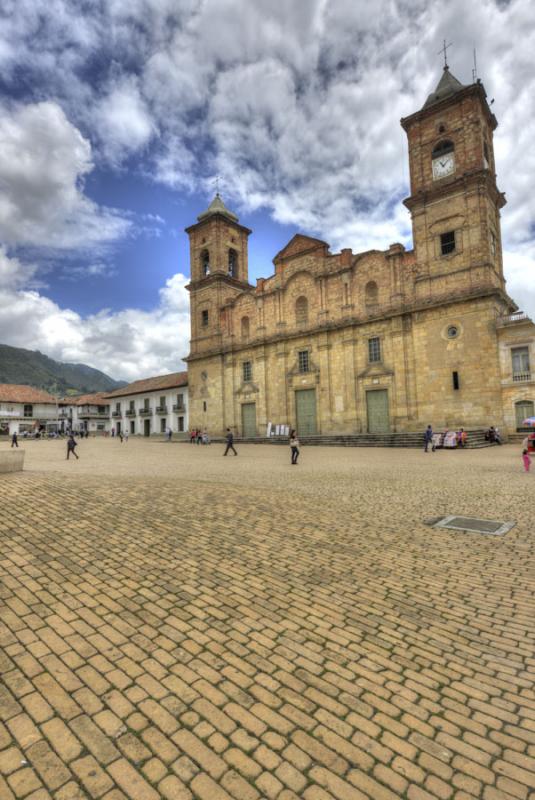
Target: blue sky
{"x":116,"y":116}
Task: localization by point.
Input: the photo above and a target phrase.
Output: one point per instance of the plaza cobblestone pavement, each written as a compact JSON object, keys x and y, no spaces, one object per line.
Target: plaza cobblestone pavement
{"x":177,"y":625}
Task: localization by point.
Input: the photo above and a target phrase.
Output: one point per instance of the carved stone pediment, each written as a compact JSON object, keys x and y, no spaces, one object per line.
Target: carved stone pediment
{"x":312,"y":367}
{"x":247,"y":388}
{"x":376,"y":371}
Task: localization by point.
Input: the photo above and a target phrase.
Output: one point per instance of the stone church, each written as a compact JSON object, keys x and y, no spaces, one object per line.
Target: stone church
{"x":391,"y":340}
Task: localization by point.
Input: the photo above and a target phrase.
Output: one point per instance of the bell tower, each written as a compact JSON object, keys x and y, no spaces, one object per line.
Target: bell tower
{"x":454,"y":202}
{"x":218,"y":269}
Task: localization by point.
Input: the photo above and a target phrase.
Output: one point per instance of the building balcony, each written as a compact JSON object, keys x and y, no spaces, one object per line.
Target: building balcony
{"x":161,"y":409}
{"x":93,"y":414}
{"x":522,"y":377}
{"x":131,"y":412}
{"x":180,"y":407}
{"x":117,"y":413}
{"x":145,"y":412}
{"x":512,"y":319}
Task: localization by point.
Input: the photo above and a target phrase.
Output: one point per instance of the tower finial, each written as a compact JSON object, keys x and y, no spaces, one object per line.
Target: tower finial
{"x":444,"y":51}
{"x":474,"y":69}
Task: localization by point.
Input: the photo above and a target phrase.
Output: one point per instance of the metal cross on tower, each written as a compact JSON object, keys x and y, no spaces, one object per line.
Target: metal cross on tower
{"x":444,"y":50}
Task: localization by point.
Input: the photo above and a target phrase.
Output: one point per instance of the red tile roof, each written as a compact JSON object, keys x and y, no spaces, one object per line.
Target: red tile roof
{"x":15,"y":393}
{"x":159,"y":383}
{"x":95,"y":399}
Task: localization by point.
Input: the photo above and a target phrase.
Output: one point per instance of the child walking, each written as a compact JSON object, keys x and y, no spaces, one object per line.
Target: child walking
{"x":526,"y":459}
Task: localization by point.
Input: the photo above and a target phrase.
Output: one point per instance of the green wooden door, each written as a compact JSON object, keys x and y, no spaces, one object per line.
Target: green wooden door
{"x":305,"y":412}
{"x":248,"y":419}
{"x":377,"y":407}
{"x":523,"y":410}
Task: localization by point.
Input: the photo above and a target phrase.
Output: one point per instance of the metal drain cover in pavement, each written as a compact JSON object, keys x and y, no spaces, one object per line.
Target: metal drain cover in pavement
{"x":489,"y":527}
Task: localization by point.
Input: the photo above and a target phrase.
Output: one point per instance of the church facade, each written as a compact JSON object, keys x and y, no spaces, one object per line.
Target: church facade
{"x":340,"y":343}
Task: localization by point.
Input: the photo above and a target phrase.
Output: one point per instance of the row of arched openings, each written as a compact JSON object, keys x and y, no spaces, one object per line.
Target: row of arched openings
{"x":301,"y":308}
{"x":232,"y":263}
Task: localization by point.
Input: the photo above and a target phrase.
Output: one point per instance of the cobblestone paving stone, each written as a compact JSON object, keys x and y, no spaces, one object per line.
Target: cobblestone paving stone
{"x":177,"y":626}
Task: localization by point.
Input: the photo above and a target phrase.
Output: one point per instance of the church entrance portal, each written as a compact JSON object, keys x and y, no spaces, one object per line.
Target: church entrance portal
{"x":248,"y":419}
{"x":305,"y":412}
{"x":377,"y":408}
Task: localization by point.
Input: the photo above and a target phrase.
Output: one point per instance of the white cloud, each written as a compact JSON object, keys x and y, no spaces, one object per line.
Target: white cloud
{"x":296,"y":105}
{"x":43,"y":161}
{"x":13,"y":272}
{"x":127,"y":344}
{"x":122,"y":120}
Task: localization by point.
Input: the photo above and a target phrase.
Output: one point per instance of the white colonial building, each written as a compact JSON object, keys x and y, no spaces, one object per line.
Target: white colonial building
{"x":151,"y":406}
{"x":24,"y":409}
{"x":89,"y":413}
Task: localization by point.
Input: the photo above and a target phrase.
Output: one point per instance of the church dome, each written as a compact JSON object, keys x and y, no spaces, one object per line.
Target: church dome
{"x":217,"y":206}
{"x":447,"y":86}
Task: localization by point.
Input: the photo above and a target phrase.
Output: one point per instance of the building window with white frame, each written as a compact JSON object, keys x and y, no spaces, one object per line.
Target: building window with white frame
{"x":374,"y":350}
{"x":247,"y":368}
{"x":303,"y":361}
{"x":520,"y":363}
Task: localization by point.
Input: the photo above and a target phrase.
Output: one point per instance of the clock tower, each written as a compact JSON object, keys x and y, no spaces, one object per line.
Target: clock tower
{"x":454,"y":202}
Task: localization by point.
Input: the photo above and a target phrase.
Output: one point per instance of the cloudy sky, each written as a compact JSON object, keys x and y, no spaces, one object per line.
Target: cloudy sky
{"x":116,"y":115}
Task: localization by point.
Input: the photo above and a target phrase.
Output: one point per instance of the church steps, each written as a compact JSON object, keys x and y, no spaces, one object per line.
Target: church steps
{"x":476,"y":439}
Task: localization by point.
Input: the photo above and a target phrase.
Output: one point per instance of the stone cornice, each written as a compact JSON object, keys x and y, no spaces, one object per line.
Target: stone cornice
{"x":441,"y":190}
{"x":219,"y":218}
{"x":219,"y":276}
{"x":452,"y":100}
{"x":388,"y":312}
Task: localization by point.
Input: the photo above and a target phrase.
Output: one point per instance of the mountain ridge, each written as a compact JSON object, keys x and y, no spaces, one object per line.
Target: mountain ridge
{"x":33,"y":368}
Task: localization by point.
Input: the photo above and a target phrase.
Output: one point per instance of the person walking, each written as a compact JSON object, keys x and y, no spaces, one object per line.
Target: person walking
{"x":14,"y":440}
{"x":526,"y":459}
{"x":71,"y":444}
{"x":294,"y":446}
{"x":428,"y":439}
{"x":126,"y":436}
{"x":121,"y":437}
{"x":230,"y":443}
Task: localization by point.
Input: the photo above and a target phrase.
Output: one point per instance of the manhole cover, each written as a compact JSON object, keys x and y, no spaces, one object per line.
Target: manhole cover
{"x":488,"y":527}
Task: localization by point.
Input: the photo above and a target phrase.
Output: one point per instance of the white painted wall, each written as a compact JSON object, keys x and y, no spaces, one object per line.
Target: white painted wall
{"x":13,"y":414}
{"x":171,"y":417}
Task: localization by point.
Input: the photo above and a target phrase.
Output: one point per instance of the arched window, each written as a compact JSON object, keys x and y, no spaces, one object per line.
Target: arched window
{"x":232,"y":263}
{"x":443,"y":147}
{"x":245,"y":327}
{"x":205,"y":262}
{"x":523,"y":410}
{"x":301,"y":310}
{"x":371,"y":293}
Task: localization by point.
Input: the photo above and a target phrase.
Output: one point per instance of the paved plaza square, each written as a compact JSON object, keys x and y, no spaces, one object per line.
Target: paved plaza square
{"x":178,"y":625}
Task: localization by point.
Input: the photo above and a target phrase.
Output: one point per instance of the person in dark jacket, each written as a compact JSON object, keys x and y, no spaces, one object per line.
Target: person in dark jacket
{"x":14,"y":440}
{"x":294,"y":446}
{"x":230,"y":443}
{"x":71,"y":444}
{"x":428,"y":438}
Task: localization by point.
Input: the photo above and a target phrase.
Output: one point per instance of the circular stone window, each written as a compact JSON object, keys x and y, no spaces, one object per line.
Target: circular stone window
{"x":452,"y":331}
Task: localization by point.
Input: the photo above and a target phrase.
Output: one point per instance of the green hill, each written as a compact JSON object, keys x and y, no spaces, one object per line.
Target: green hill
{"x":32,"y":368}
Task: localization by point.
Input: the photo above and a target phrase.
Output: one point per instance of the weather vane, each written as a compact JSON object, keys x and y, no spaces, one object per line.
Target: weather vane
{"x":216,"y":183}
{"x":444,"y":50}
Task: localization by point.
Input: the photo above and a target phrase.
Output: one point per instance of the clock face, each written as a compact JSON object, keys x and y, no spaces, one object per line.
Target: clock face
{"x":443,"y":165}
